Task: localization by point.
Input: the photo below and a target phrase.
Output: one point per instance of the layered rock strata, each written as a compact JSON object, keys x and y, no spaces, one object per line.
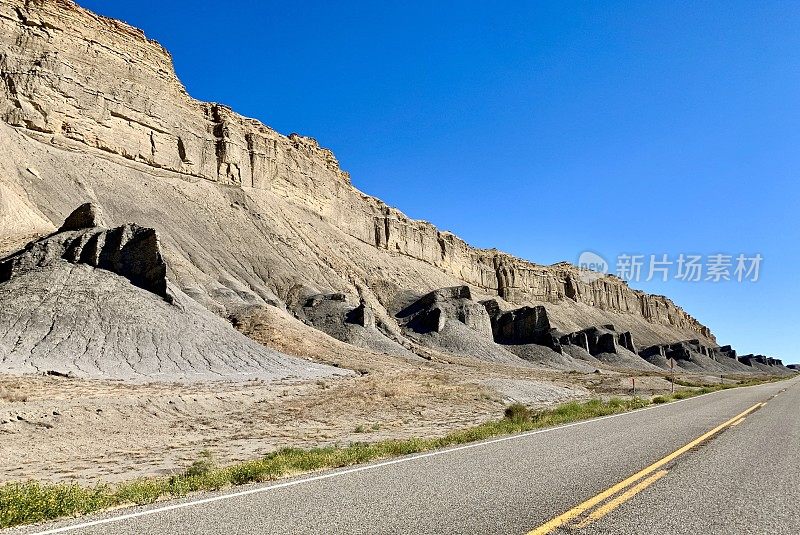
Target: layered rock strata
{"x":77,"y":82}
{"x":130,"y":251}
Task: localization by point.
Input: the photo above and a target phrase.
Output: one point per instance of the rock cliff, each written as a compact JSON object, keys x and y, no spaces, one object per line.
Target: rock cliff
{"x":92,"y":111}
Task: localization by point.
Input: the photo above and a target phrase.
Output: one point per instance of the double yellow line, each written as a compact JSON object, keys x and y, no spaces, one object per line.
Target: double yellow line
{"x":653,"y":469}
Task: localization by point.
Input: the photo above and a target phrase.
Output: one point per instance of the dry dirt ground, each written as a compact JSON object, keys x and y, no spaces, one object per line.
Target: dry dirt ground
{"x":59,"y":428}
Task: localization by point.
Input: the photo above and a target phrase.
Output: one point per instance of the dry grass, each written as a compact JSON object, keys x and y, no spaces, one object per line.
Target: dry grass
{"x":13,"y":395}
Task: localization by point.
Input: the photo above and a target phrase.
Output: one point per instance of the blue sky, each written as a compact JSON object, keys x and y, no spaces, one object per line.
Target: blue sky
{"x":542,"y":128}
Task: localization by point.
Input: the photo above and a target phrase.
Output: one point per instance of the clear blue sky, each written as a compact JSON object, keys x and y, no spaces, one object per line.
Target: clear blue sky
{"x":544,"y":129}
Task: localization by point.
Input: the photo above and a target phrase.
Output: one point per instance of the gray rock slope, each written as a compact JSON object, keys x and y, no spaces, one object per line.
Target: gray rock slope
{"x":65,"y":309}
{"x":130,"y":251}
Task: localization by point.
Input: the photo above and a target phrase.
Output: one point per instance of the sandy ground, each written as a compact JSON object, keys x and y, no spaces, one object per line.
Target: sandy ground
{"x":57,"y":428}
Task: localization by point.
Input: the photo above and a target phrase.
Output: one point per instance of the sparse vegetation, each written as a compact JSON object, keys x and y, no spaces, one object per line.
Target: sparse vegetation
{"x":361,"y":428}
{"x":517,"y":412}
{"x":682,"y":382}
{"x":697,"y":389}
{"x":731,"y":383}
{"x":202,"y":466}
{"x":29,"y":502}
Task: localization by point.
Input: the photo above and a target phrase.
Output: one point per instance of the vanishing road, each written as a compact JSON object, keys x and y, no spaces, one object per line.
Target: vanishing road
{"x":727,"y":462}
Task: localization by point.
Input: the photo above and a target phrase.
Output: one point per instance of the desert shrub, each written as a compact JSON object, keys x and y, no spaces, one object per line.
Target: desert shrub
{"x":518,"y":413}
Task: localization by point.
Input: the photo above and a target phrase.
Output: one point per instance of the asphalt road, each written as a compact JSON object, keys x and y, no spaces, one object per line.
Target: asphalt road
{"x":743,"y":479}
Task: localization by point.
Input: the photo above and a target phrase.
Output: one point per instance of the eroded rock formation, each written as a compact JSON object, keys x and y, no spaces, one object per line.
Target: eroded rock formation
{"x":525,"y":325}
{"x":357,"y":325}
{"x":130,"y":251}
{"x":93,"y":302}
{"x":432,"y":311}
{"x":85,"y":216}
{"x":230,"y":249}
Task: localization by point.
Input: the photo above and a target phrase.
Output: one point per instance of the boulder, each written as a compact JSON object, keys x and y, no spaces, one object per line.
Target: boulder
{"x":626,"y":340}
{"x":362,"y":315}
{"x":356,"y":325}
{"x":445,"y":294}
{"x":433,"y":319}
{"x":723,"y":352}
{"x":88,"y":215}
{"x":579,"y":339}
{"x":606,"y":343}
{"x":525,"y":325}
{"x":598,"y":340}
{"x":678,"y":351}
{"x":653,"y":351}
{"x":318,"y":299}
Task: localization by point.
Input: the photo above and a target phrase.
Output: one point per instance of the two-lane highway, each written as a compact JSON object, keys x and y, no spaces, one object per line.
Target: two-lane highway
{"x":747,"y":480}
{"x":719,"y":463}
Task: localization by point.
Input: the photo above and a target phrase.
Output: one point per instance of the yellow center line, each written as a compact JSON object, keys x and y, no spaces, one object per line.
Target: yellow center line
{"x":581,"y":508}
{"x":737,"y":422}
{"x":609,"y":506}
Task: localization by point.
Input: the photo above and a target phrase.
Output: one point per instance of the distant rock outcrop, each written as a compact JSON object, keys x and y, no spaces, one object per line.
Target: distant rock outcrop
{"x":432,"y":311}
{"x":526,"y":325}
{"x":450,"y":320}
{"x":85,"y":216}
{"x":356,"y":325}
{"x":751,"y":359}
{"x":693,"y":355}
{"x":362,"y":315}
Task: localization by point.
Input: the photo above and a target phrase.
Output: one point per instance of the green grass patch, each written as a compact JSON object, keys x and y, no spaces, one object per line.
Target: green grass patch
{"x":697,"y":389}
{"x":731,"y":383}
{"x":31,"y":502}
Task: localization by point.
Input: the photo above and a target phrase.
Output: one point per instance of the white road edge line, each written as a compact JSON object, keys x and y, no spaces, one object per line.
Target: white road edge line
{"x":337,"y":473}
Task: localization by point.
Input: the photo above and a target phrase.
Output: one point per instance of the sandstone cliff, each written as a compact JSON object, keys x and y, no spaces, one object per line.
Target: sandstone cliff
{"x":93,"y":111}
